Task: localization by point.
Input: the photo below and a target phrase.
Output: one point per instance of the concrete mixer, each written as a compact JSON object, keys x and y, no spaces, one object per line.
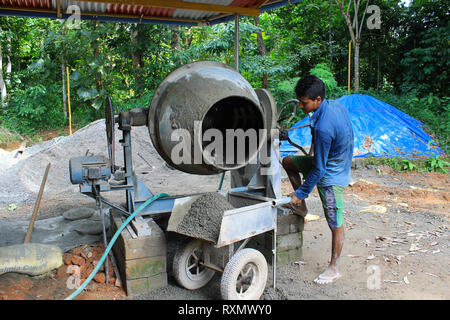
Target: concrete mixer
{"x":200,"y":114}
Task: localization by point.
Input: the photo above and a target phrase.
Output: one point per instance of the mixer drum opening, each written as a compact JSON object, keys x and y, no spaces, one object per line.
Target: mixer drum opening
{"x":200,"y":101}
{"x":239,"y":122}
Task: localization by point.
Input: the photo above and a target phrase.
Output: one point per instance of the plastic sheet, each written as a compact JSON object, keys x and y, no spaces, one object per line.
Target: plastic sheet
{"x":380,"y":130}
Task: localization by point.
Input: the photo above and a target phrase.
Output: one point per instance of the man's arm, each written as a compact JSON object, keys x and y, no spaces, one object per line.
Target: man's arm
{"x":322,"y":144}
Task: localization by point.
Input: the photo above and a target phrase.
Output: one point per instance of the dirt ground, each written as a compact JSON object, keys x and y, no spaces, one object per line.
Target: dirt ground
{"x":400,"y":252}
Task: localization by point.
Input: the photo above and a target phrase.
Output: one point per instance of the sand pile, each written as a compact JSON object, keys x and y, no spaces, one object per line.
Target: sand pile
{"x":20,"y":179}
{"x":204,"y":218}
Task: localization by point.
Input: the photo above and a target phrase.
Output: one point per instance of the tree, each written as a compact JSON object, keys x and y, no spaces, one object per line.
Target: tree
{"x":355,"y":30}
{"x":262,"y":51}
{"x":2,"y":80}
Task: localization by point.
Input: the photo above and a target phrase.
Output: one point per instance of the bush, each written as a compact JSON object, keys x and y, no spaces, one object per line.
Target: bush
{"x":33,"y":108}
{"x":323,"y":72}
{"x":436,"y":164}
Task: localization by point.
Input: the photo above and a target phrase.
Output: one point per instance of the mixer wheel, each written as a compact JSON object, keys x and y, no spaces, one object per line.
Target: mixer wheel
{"x":187,"y":264}
{"x":245,"y":276}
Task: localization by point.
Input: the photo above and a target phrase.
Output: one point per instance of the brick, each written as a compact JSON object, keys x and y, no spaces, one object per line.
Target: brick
{"x":79,"y":261}
{"x":67,"y":258}
{"x":145,"y":285}
{"x":100,"y":277}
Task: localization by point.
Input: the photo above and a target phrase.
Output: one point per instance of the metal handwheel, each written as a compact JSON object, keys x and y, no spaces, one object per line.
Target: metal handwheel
{"x":245,"y":276}
{"x":188,"y":262}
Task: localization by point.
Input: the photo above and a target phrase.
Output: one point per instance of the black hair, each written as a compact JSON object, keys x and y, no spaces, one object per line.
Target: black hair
{"x":310,"y":87}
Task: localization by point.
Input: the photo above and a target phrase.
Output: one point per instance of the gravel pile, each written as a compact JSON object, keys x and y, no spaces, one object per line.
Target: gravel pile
{"x":204,"y":218}
{"x":21,"y":177}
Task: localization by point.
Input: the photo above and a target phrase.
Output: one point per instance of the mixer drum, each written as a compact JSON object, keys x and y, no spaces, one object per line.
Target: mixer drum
{"x":195,"y":98}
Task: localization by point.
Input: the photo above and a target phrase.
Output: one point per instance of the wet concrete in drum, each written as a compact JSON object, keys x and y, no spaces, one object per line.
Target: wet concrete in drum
{"x":204,"y":218}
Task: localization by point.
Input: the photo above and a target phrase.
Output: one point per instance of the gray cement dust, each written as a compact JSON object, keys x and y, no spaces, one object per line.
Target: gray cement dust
{"x":204,"y":218}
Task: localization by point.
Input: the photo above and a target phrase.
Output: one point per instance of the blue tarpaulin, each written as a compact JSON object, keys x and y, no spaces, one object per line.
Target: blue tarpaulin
{"x":380,"y":130}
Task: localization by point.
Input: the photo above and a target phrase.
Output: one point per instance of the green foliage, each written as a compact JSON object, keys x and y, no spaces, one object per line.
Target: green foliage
{"x":432,"y":164}
{"x":323,"y":72}
{"x":406,"y":61}
{"x":408,"y":165}
{"x":32,"y":108}
{"x":284,"y":90}
{"x":437,"y":164}
{"x":424,"y":64}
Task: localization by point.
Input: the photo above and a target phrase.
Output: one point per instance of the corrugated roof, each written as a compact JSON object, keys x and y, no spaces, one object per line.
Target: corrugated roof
{"x":181,"y":12}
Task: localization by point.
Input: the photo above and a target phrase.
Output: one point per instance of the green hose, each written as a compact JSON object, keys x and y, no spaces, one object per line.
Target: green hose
{"x":111,"y":243}
{"x":221,"y":180}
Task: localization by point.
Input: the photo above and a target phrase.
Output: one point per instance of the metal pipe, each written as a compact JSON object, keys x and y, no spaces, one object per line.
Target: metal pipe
{"x":280,"y":202}
{"x":105,"y":241}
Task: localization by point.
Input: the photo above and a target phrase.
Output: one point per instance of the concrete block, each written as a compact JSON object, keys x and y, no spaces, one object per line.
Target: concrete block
{"x":286,"y":241}
{"x":141,"y":261}
{"x":145,"y":285}
{"x":143,"y":267}
{"x":289,"y":223}
{"x":282,"y":258}
{"x":145,"y":246}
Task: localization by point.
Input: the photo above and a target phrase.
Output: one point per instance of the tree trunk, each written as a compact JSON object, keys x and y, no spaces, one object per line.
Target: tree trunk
{"x":136,"y":57}
{"x":355,"y":40}
{"x":98,"y":76}
{"x":8,"y":61}
{"x":64,"y":76}
{"x":64,"y":86}
{"x":2,"y":82}
{"x":263,"y":52}
{"x":176,"y":42}
{"x":357,"y":65}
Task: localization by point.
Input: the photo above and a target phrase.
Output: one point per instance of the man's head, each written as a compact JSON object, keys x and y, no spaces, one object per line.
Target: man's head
{"x":310,"y":91}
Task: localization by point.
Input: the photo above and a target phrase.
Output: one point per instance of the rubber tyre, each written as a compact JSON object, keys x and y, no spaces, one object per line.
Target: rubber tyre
{"x":246,"y":271}
{"x":186,"y":270}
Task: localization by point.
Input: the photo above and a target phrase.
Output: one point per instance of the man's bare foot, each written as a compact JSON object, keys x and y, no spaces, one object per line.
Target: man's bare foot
{"x":328,"y":276}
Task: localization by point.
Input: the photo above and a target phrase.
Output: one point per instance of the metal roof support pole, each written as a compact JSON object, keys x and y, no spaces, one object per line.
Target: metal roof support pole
{"x":236,"y":42}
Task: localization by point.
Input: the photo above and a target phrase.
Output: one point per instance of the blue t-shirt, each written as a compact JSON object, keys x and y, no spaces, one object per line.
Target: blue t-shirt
{"x":333,"y":148}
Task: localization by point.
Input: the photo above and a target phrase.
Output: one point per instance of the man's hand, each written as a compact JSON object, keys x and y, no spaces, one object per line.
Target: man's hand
{"x":284,"y":134}
{"x":295,"y":200}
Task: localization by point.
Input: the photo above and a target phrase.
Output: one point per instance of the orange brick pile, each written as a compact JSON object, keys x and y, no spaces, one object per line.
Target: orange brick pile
{"x":83,"y":259}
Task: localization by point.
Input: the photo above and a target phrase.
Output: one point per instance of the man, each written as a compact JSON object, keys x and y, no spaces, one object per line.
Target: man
{"x":329,"y":168}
